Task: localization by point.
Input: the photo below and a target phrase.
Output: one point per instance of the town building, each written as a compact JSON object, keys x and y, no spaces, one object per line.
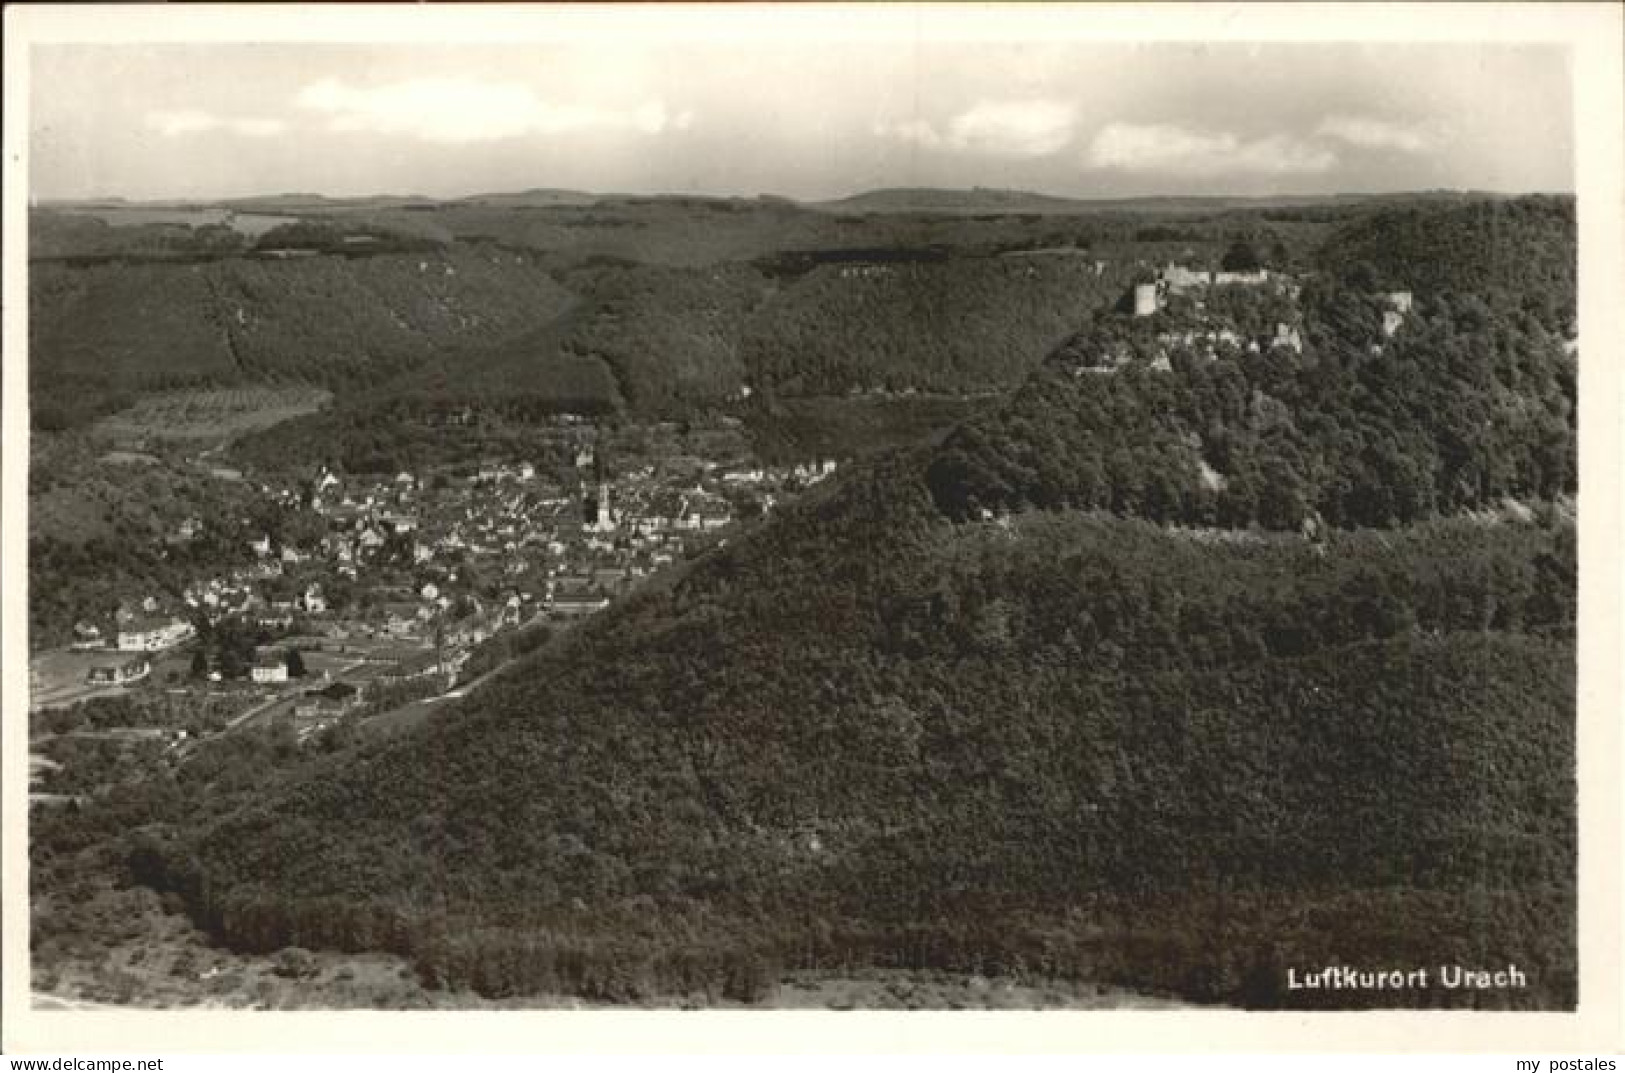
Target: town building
{"x":119,"y":672}
{"x":152,"y":633}
{"x":87,"y":635}
{"x":1145,"y":299}
{"x":270,"y":670}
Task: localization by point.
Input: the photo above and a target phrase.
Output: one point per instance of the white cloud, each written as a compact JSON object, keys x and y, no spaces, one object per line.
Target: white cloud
{"x":1366,"y":132}
{"x":1164,"y":147}
{"x":917,"y":131}
{"x":460,"y":110}
{"x":1003,"y":128}
{"x":175,"y":123}
{"x":1014,"y":128}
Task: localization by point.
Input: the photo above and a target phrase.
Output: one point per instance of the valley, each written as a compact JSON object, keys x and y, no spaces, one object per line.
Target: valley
{"x":913,"y":601}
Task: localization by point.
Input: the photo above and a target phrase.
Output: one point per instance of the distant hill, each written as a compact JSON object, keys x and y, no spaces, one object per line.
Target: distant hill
{"x":335,"y":321}
{"x":979,"y":200}
{"x":539,"y":197}
{"x":928,"y":199}
{"x":289,"y":203}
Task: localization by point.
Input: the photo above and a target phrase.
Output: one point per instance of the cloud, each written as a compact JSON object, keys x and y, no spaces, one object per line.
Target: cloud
{"x":1165,"y":147}
{"x":1365,"y":132}
{"x":176,"y":123}
{"x":1002,"y":128}
{"x":917,"y":131}
{"x":460,"y":110}
{"x":1014,"y":128}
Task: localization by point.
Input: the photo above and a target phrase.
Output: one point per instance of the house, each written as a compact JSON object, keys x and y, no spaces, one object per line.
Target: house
{"x":576,"y":604}
{"x":472,"y":630}
{"x":270,"y":670}
{"x":609,"y":578}
{"x":86,"y":635}
{"x":1287,"y":336}
{"x":713,"y":515}
{"x":403,"y":619}
{"x":119,"y":672}
{"x":1255,"y":277}
{"x":1178,"y":278}
{"x":328,"y":702}
{"x":420,"y":665}
{"x":1399,"y":305}
{"x":152,"y":633}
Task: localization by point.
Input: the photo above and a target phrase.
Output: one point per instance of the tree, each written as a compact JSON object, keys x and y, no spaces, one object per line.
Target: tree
{"x":232,"y":663}
{"x":1241,"y":257}
{"x":296,"y":663}
{"x":200,"y":663}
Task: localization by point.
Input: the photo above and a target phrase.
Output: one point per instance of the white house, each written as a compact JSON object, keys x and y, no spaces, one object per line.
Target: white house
{"x":270,"y":670}
{"x":152,"y":634}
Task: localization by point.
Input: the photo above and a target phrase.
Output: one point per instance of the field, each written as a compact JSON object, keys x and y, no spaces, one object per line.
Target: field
{"x":252,"y":224}
{"x":216,"y":414}
{"x":58,"y":677}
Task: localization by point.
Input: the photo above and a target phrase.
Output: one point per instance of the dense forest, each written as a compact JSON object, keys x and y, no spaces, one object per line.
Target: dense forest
{"x":653,"y":305}
{"x":1471,"y":401}
{"x":1072,"y":694}
{"x":953,"y":327}
{"x":97,"y":334}
{"x":1516,"y":254}
{"x":99,"y":535}
{"x":869,"y":736}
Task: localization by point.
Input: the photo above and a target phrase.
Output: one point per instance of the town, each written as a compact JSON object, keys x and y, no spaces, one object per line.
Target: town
{"x":379,"y":592}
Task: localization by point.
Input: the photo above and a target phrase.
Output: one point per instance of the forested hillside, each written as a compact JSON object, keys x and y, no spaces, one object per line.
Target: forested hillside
{"x":1472,"y":399}
{"x":336,"y":321}
{"x":671,"y":336}
{"x":1065,"y":695}
{"x":956,"y":326}
{"x":1062,"y":748}
{"x":97,"y":532}
{"x":1516,"y":253}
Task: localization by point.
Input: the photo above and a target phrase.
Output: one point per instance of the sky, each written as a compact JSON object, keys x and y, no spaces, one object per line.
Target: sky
{"x":813,"y":120}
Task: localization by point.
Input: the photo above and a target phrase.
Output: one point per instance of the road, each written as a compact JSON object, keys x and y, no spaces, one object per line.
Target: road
{"x":233,"y":724}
